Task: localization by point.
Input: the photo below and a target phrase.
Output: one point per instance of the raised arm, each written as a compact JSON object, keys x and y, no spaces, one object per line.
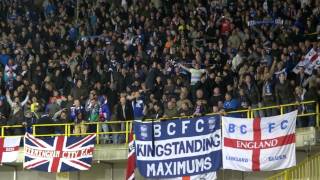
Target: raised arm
{"x":8,"y":98}
{"x":273,"y":67}
{"x":184,"y":67}
{"x":57,"y":114}
{"x":25,"y":100}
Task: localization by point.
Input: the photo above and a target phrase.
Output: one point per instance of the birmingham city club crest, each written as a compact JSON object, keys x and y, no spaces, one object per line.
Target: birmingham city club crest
{"x":144,"y":131}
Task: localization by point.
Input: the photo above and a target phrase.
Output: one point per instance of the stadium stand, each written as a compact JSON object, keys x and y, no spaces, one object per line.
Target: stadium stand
{"x":76,"y":63}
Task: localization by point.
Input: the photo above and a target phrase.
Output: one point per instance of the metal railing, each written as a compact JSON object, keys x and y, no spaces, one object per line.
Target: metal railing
{"x":67,"y":127}
{"x":307,"y":169}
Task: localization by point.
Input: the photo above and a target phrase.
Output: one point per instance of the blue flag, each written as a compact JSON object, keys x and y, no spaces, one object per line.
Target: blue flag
{"x":176,"y":148}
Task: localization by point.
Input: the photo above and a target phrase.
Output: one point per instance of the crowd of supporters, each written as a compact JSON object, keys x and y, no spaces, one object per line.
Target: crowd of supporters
{"x":77,"y":61}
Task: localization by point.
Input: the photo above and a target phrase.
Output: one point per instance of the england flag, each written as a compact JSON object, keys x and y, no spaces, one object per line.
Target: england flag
{"x":9,"y":148}
{"x":259,"y":144}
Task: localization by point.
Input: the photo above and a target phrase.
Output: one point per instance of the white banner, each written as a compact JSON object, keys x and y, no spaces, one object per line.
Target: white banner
{"x":259,"y":144}
{"x":9,"y":148}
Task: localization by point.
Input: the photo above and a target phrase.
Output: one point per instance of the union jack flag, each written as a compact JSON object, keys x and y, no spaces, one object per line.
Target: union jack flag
{"x":58,"y":154}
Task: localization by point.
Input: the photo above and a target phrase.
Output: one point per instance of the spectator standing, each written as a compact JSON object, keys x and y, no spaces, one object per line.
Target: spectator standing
{"x":4,"y":112}
{"x":311,"y":95}
{"x":284,"y":92}
{"x":78,"y":120}
{"x":93,"y":114}
{"x":252,"y":92}
{"x":137,"y":106}
{"x":196,"y":74}
{"x":124,"y":112}
{"x":105,"y":117}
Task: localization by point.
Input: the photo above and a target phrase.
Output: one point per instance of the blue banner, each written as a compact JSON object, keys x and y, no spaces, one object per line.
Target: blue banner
{"x":175,"y":148}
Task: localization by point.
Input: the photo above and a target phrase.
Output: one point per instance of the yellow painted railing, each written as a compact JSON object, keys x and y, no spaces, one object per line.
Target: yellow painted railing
{"x":308,"y":169}
{"x":128,"y":124}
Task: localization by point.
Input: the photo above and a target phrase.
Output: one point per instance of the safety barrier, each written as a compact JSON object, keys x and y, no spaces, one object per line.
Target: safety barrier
{"x":307,"y":169}
{"x":66,"y":129}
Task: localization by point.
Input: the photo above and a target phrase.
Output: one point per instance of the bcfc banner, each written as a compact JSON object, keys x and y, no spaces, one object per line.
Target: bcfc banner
{"x":262,"y":144}
{"x":178,"y":148}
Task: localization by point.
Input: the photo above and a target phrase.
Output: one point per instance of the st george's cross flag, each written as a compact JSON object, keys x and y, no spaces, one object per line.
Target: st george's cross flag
{"x":58,"y":154}
{"x":259,"y":144}
{"x":9,"y":149}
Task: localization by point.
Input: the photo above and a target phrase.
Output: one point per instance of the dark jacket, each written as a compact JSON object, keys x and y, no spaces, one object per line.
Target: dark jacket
{"x":4,"y":113}
{"x":16,"y":119}
{"x":61,"y":129}
{"x":152,"y":114}
{"x":214,"y":100}
{"x":284,"y":93}
{"x":123,"y":81}
{"x":128,"y":112}
{"x":252,"y":93}
{"x":311,"y":95}
{"x":78,"y":92}
{"x":158,"y":90}
{"x":244,"y":101}
{"x":45,"y":119}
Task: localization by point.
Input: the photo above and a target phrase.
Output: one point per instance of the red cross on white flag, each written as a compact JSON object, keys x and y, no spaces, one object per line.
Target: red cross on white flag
{"x":260,"y":144}
{"x":9,"y":148}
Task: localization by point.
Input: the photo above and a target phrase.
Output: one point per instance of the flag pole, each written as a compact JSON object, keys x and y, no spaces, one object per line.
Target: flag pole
{"x":152,"y":135}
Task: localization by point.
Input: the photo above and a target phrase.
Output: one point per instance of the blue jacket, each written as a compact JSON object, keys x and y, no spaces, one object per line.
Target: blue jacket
{"x":233,"y":104}
{"x":4,"y":58}
{"x":104,"y":112}
{"x":74,"y":111}
{"x":137,"y":106}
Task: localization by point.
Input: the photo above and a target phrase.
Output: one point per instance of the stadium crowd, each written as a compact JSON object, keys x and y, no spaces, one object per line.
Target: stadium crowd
{"x":103,"y":60}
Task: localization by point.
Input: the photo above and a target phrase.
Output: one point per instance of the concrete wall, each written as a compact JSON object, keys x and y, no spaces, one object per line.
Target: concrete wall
{"x":98,"y":172}
{"x":104,"y":171}
{"x":7,"y":173}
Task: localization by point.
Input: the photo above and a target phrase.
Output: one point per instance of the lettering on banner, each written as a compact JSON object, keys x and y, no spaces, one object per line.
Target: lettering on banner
{"x":233,"y":128}
{"x":171,"y":128}
{"x":180,"y":147}
{"x":179,"y":167}
{"x":263,"y":144}
{"x":239,"y":159}
{"x":58,"y":154}
{"x":185,"y":147}
{"x":275,"y":158}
